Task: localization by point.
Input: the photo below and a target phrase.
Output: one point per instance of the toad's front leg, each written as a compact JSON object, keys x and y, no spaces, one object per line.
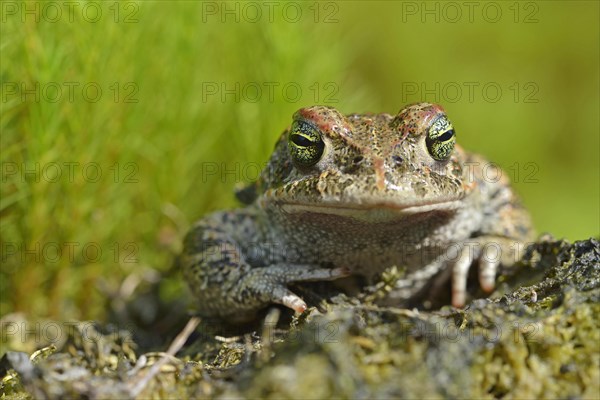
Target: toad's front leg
{"x":500,"y":238}
{"x":227,"y":281}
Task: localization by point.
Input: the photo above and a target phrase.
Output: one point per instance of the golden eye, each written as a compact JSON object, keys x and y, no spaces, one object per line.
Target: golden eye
{"x":440,"y":139}
{"x":305,"y":144}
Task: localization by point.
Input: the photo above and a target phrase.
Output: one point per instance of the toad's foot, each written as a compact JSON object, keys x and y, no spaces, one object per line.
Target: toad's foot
{"x":489,"y":252}
{"x":261,"y":286}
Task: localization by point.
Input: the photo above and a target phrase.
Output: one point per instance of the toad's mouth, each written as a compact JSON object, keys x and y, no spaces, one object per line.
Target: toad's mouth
{"x":375,"y":212}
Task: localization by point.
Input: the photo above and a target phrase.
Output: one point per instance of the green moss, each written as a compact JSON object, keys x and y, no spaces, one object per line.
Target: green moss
{"x":515,"y":346}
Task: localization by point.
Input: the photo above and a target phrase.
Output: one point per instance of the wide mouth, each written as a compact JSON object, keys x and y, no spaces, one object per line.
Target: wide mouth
{"x":374,"y":212}
{"x":414,"y":207}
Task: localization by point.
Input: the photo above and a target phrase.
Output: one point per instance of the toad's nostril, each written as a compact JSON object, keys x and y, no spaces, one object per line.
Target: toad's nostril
{"x":397,"y":160}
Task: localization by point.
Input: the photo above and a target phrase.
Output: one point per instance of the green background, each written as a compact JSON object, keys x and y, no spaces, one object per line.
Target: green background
{"x":194,"y":95}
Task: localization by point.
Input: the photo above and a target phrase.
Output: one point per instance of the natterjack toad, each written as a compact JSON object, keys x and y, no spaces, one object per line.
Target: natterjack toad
{"x":357,"y":194}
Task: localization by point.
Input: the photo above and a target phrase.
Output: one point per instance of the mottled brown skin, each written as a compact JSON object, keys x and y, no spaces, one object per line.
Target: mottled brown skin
{"x":373,"y":197}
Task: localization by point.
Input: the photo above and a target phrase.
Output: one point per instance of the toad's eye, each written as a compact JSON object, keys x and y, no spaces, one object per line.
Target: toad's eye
{"x":440,"y":139}
{"x":305,"y":144}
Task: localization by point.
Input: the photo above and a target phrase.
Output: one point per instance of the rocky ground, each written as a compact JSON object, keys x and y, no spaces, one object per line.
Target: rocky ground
{"x":542,"y":339}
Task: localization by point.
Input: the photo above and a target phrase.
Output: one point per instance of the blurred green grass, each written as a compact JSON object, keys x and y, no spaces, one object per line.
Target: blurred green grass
{"x":157,"y":136}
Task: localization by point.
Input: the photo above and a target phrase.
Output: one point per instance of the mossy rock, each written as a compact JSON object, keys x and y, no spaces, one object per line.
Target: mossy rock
{"x":542,"y":339}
